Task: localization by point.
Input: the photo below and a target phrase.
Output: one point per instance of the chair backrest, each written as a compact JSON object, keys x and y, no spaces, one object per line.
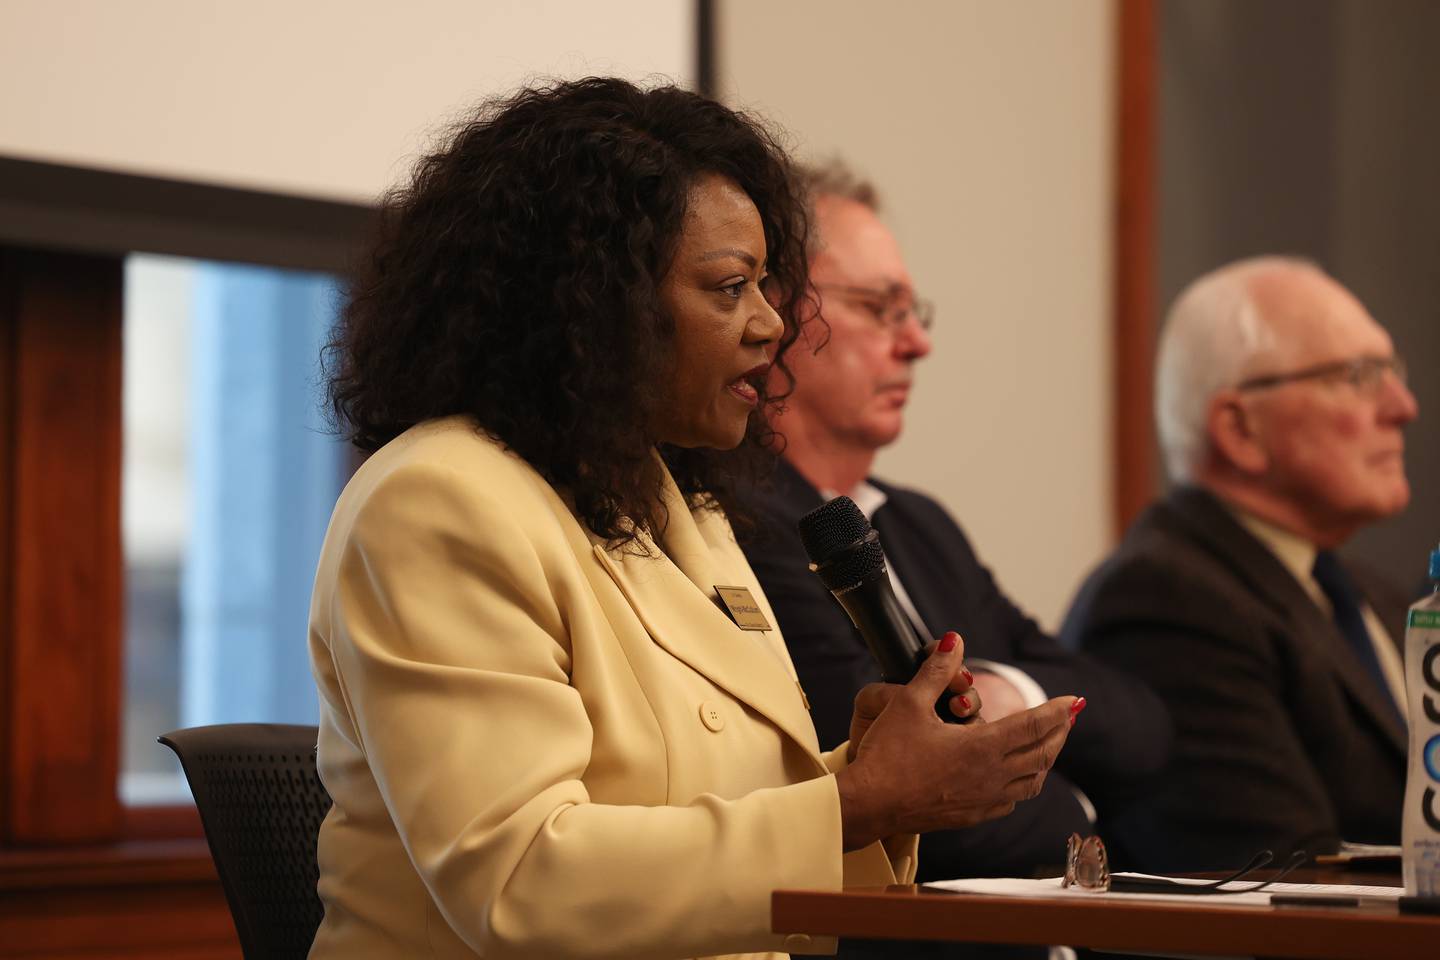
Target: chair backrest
{"x":261,"y":803}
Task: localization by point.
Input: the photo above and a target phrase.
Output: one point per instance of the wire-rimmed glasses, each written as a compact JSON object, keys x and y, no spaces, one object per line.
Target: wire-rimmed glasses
{"x":890,"y":306}
{"x":1088,"y":868}
{"x":1365,"y":374}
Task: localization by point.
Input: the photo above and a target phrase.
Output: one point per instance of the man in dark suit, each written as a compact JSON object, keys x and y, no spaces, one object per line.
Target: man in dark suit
{"x":847,"y":403}
{"x":1280,"y":405}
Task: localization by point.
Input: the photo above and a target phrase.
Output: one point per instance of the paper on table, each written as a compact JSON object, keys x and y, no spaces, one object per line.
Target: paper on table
{"x":1361,"y":854}
{"x":1011,"y":887}
{"x":1370,"y":849}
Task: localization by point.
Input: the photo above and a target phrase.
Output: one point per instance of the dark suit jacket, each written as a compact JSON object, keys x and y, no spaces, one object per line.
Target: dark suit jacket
{"x":1122,"y":736}
{"x":1282,"y":740}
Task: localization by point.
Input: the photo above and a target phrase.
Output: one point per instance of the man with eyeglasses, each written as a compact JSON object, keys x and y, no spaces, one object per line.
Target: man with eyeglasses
{"x":853,"y":373}
{"x":1280,"y":405}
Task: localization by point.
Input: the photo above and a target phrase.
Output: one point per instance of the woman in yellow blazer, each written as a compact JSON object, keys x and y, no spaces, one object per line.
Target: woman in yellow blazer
{"x":543,"y":734}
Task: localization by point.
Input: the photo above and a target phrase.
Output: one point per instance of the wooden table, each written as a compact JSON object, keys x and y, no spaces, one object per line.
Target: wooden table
{"x":919,"y":913}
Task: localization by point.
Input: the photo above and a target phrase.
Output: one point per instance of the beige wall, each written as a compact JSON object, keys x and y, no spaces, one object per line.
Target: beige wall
{"x":987,"y":125}
{"x":320,"y":97}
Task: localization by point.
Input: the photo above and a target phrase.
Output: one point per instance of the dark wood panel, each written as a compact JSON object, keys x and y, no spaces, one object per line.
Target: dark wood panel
{"x":161,"y":823}
{"x":62,"y":751}
{"x":914,"y":913}
{"x":118,"y":864}
{"x":1135,"y":482}
{"x":161,"y":920}
{"x":141,"y":953}
{"x":8,"y":326}
{"x":141,"y":899}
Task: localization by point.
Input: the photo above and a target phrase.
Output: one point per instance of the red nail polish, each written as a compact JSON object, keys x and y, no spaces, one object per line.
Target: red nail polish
{"x":969,"y":677}
{"x":1077,"y":706}
{"x":964,"y":703}
{"x":947,"y":642}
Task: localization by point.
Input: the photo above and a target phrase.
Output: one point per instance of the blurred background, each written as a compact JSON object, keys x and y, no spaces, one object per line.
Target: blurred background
{"x":182,"y":184}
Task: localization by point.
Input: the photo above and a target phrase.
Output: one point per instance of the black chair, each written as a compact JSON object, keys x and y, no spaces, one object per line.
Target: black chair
{"x":261,"y":803}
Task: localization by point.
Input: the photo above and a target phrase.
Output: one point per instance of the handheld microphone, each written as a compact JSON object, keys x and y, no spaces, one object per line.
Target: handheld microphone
{"x":845,"y":553}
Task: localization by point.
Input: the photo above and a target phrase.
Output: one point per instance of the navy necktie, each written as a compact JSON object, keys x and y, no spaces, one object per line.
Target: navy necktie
{"x":1345,"y":602}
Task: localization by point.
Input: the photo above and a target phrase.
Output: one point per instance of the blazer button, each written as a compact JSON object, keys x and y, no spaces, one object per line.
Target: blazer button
{"x":711,"y":716}
{"x":796,"y":942}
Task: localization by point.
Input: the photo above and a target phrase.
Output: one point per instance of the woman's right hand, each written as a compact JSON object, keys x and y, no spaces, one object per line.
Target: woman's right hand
{"x":912,"y":772}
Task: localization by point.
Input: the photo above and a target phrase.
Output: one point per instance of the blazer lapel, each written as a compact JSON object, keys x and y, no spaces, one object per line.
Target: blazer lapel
{"x":1310,"y":621}
{"x":1212,"y":524}
{"x":673,"y":593}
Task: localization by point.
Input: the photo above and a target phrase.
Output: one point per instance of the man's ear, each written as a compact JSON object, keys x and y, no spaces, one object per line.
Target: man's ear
{"x":1235,"y":434}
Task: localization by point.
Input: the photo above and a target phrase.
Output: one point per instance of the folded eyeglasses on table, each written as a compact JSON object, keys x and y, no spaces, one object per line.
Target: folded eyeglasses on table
{"x":1087,"y":867}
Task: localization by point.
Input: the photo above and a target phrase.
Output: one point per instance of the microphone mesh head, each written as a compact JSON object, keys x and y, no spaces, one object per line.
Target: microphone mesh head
{"x":849,"y":567}
{"x":832,"y":526}
{"x":839,"y":541}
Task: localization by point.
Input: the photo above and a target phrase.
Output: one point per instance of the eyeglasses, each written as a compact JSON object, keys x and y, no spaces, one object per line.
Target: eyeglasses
{"x":1086,"y":864}
{"x":890,"y":307}
{"x":1365,"y":374}
{"x":1087,"y":868}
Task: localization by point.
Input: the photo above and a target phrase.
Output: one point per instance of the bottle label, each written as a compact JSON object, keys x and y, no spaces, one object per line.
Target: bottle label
{"x":1420,"y":829}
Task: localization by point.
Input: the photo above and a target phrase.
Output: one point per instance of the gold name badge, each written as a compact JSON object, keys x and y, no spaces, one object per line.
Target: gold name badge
{"x":740,"y":604}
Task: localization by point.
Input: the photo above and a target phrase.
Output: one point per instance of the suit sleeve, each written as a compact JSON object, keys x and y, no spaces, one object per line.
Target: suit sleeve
{"x":451,"y":646}
{"x":1240,"y":780}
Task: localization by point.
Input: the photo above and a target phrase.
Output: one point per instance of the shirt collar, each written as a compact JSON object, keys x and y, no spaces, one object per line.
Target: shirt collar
{"x":866,"y":495}
{"x":1294,"y":552}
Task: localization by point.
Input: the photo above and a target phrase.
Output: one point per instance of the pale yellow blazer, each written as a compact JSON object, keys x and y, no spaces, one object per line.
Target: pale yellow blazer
{"x":538,"y":748}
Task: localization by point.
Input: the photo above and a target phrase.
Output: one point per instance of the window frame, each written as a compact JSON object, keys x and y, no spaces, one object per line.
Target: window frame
{"x":61,"y":566}
{"x":68,"y":847}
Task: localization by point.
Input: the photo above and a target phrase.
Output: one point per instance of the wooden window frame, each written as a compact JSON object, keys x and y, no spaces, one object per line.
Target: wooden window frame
{"x":64,"y":570}
{"x":1133,"y":277}
{"x":131,"y":880}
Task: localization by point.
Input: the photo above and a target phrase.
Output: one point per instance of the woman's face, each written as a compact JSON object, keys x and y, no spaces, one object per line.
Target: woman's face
{"x":725,"y":329}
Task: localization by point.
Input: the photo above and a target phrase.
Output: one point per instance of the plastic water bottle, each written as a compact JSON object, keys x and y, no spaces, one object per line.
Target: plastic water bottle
{"x":1420,"y":832}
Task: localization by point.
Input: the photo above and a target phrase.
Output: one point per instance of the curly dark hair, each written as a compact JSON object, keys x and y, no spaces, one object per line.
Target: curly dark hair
{"x":516,"y":279}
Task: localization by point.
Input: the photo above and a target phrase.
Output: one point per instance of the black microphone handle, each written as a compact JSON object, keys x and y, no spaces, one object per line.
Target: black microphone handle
{"x":888,"y":632}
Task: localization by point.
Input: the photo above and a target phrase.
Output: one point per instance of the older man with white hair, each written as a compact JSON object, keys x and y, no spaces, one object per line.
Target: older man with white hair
{"x":1280,"y":404}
